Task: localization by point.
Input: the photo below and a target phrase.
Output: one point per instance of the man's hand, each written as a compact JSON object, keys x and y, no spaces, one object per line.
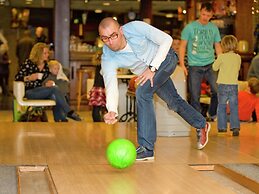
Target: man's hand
{"x":110,"y":118}
{"x":184,"y":70}
{"x":146,"y":75}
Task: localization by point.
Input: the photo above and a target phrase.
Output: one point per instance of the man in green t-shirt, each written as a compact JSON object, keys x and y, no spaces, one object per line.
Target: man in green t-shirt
{"x":201,"y":39}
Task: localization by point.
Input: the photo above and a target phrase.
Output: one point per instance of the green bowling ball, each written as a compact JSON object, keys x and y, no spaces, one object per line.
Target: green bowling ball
{"x":121,"y":153}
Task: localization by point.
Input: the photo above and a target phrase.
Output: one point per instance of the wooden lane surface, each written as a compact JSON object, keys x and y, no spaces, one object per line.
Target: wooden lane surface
{"x":75,"y":155}
{"x":142,"y":178}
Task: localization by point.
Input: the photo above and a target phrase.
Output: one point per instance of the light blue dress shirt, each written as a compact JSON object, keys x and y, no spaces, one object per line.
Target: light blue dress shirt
{"x":148,"y":47}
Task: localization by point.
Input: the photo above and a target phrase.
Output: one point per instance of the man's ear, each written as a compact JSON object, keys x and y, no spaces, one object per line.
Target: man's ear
{"x":121,"y":30}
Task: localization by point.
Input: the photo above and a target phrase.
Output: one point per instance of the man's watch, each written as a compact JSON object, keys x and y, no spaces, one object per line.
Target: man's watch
{"x":153,"y":69}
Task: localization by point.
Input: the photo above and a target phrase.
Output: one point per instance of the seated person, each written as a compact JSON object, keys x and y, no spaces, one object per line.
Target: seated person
{"x":33,"y":72}
{"x":248,"y":101}
{"x":57,"y":77}
{"x":253,"y":70}
{"x":176,"y":43}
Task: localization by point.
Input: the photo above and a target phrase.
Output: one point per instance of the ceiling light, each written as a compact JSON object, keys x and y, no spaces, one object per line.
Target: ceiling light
{"x":106,"y":4}
{"x":98,"y":11}
{"x":169,"y":15}
{"x":28,"y":2}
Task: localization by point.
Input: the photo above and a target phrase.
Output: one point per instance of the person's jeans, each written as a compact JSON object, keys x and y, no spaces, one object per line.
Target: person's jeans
{"x":165,"y":89}
{"x":228,"y":93}
{"x":61,"y":109}
{"x":196,"y":75}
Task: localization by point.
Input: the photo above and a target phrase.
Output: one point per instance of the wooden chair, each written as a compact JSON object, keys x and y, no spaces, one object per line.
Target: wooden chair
{"x":90,"y":72}
{"x":20,"y":102}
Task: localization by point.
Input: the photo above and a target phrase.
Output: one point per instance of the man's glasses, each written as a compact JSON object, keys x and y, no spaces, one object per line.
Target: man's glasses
{"x":113,"y":36}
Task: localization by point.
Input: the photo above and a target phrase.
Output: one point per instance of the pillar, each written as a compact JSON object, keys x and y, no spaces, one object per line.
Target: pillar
{"x":145,"y":11}
{"x":62,"y":31}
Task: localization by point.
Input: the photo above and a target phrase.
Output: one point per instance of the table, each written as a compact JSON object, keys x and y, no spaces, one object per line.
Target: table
{"x":90,"y":72}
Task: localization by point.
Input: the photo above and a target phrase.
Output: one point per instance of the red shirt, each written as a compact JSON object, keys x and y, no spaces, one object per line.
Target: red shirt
{"x":247,"y":103}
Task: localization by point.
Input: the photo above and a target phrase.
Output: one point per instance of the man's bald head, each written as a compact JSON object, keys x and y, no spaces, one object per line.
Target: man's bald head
{"x":109,"y":22}
{"x":111,"y":33}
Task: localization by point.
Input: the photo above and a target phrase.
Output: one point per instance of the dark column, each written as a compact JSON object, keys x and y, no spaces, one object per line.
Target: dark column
{"x":191,"y":10}
{"x":244,"y":23}
{"x":62,"y":30}
{"x":145,"y":10}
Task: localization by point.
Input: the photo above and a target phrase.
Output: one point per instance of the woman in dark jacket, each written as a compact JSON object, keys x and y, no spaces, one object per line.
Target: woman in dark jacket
{"x":33,"y":72}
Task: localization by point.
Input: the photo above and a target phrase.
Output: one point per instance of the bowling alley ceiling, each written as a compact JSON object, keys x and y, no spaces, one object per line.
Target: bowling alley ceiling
{"x":116,"y":6}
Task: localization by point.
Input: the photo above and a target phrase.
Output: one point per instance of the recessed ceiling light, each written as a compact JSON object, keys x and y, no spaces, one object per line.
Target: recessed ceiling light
{"x":169,"y":15}
{"x":106,"y":4}
{"x":98,"y":11}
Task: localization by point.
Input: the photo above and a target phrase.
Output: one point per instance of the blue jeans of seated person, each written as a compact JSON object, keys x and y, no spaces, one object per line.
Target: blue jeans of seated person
{"x":164,"y":87}
{"x":228,"y":93}
{"x":61,"y":109}
{"x":196,"y":75}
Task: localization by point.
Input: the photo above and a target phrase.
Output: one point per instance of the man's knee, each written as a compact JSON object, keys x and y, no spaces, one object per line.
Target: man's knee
{"x":141,"y":93}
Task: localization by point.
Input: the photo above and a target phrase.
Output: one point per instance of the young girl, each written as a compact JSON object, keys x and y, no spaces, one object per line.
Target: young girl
{"x":228,"y":65}
{"x":97,"y":93}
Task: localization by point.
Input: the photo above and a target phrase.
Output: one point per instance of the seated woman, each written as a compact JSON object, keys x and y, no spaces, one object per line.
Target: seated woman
{"x":33,"y":72}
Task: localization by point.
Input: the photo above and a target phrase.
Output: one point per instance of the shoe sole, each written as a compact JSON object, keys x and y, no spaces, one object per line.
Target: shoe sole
{"x":207,"y":138}
{"x":146,"y":158}
{"x":222,"y":131}
{"x":74,"y":119}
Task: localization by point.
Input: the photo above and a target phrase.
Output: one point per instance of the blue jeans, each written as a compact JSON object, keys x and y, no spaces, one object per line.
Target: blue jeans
{"x":196,"y":75}
{"x":61,"y":109}
{"x":228,"y":93}
{"x":165,"y":89}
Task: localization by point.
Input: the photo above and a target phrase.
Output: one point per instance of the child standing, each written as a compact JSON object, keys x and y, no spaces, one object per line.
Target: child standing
{"x":57,"y":77}
{"x":228,"y":64}
{"x":97,"y":93}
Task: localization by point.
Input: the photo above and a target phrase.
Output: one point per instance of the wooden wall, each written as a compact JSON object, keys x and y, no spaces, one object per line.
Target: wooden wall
{"x":244,"y":29}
